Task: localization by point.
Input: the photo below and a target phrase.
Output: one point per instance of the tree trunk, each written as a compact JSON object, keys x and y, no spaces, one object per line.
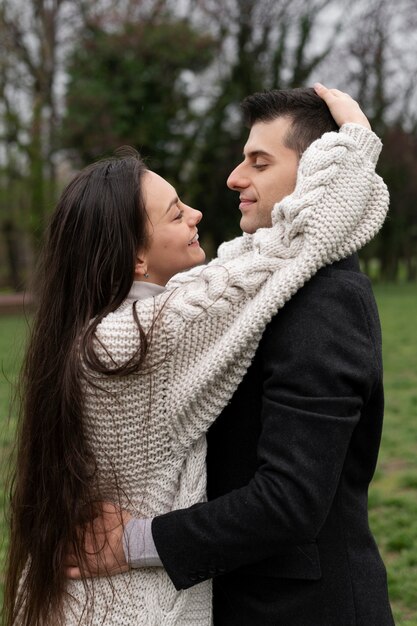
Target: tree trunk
{"x":11,"y":239}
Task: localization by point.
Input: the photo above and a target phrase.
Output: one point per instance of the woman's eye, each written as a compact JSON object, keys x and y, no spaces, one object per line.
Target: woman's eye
{"x":259,"y":166}
{"x":179,"y":216}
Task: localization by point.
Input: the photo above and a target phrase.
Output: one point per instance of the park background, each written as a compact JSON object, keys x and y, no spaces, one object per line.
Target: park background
{"x":79,"y":78}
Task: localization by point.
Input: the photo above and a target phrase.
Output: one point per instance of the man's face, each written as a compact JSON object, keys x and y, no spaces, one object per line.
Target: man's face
{"x":267,"y":173}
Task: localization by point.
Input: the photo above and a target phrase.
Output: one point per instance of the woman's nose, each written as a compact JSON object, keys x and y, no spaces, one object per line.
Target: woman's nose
{"x":194,"y":215}
{"x":198,"y":215}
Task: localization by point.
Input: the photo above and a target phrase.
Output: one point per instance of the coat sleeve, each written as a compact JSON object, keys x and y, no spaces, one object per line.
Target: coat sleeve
{"x":321,"y":362}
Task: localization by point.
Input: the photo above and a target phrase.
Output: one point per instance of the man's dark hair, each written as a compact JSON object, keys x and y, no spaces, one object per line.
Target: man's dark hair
{"x":309,"y":114}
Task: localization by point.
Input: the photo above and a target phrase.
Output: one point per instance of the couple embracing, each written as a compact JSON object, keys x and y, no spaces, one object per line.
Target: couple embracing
{"x":197,"y":441}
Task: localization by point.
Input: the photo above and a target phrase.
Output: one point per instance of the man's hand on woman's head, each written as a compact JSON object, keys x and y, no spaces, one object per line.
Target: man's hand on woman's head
{"x":342,"y":107}
{"x":101,"y":546}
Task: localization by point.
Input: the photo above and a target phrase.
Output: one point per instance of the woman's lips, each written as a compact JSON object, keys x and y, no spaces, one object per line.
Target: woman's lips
{"x":194,"y":241}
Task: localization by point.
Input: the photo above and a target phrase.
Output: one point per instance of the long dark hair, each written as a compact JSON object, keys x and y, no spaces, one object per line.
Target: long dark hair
{"x":85,"y":272}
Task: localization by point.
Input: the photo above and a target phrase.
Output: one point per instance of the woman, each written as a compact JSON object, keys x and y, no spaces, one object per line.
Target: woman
{"x":122,"y":382}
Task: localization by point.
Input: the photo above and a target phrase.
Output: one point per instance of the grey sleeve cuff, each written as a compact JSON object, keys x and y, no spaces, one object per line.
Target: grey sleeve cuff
{"x":138,"y":544}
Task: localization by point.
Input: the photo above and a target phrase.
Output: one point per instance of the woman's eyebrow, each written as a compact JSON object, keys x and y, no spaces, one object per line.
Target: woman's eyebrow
{"x":173,"y":201}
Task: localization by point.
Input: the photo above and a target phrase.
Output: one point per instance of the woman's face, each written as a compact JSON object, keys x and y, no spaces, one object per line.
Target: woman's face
{"x":173,"y":232}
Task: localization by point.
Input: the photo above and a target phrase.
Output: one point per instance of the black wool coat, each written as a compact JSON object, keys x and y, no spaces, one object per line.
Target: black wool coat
{"x":285,"y":532}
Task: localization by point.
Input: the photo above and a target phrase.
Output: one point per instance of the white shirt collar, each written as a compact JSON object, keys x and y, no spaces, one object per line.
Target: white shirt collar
{"x":141,"y":290}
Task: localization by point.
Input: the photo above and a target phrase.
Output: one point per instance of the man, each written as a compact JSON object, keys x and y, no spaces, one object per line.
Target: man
{"x":285,"y":534}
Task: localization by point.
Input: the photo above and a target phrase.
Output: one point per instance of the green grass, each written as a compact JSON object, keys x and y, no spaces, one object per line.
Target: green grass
{"x":393,"y":495}
{"x":12,"y":339}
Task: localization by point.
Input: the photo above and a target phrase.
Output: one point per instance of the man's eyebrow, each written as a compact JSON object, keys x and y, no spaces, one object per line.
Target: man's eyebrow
{"x":171,"y":204}
{"x":255,"y":153}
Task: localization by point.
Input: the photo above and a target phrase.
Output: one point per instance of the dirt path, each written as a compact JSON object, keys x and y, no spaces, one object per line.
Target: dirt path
{"x":13,"y":303}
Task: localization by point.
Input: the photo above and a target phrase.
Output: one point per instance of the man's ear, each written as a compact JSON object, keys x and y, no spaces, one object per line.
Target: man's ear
{"x":141,"y":268}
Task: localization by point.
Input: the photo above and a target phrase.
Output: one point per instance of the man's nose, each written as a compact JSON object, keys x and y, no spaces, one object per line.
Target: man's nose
{"x":237,"y":180}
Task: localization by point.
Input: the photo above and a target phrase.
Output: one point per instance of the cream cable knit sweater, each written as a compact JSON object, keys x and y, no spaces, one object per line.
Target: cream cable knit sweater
{"x":148,"y":429}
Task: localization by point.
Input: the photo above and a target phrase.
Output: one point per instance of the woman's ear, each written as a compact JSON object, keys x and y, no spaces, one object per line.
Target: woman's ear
{"x":141,"y":270}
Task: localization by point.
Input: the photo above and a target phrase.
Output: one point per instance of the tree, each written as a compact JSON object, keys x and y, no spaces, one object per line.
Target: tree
{"x":30,"y":40}
{"x":398,"y":239}
{"x":35,"y":40}
{"x":33,"y":37}
{"x":127,"y":87}
{"x":380,"y":68}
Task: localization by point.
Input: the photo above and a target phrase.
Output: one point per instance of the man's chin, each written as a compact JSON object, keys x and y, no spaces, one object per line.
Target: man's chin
{"x":250,"y":227}
{"x":247,"y":225}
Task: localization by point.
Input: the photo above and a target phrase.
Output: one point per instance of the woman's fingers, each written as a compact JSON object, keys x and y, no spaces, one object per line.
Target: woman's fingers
{"x":101,"y":550}
{"x":342,"y":107}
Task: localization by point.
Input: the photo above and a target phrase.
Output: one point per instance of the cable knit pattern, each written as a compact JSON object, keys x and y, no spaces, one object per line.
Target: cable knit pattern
{"x":148,"y":430}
